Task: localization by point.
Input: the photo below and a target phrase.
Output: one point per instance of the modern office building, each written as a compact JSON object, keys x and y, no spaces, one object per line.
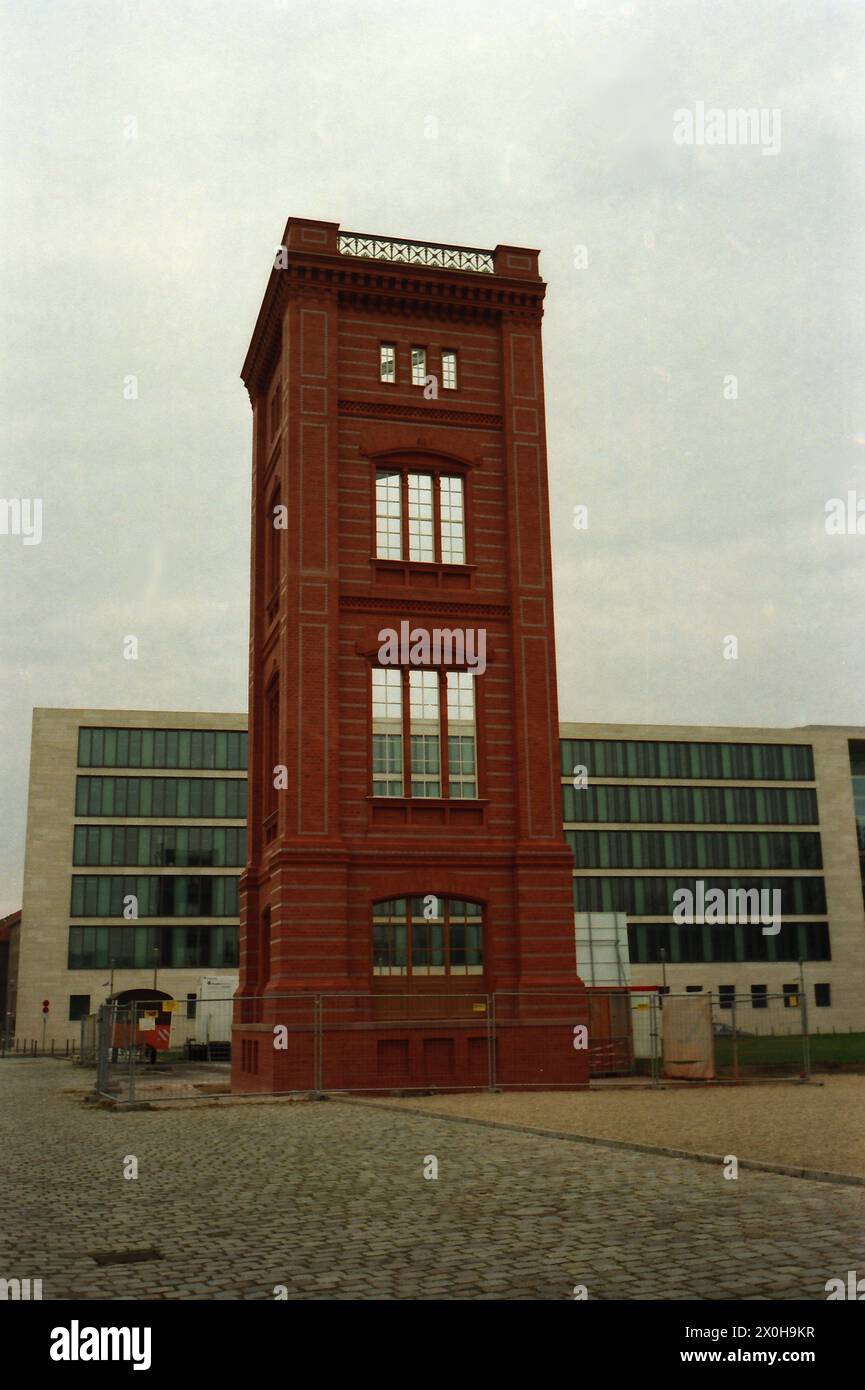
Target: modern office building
{"x":135,"y":841}
{"x":650,"y":810}
{"x":405,"y":831}
{"x":663,"y":806}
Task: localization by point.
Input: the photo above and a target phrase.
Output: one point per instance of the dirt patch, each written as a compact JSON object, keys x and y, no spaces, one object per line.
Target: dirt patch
{"x":817,"y":1126}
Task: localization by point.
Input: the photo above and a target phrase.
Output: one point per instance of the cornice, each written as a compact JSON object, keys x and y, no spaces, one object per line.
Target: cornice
{"x":428,"y":415}
{"x":413,"y":292}
{"x":390,"y":603}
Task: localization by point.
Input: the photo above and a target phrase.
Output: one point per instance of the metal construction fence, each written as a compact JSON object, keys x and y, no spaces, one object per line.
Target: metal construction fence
{"x":389,"y":1042}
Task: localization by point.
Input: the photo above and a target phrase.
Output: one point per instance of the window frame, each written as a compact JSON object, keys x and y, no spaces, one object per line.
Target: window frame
{"x":419,"y":373}
{"x":435,"y":469}
{"x":444,"y":772}
{"x":410,"y":971}
{"x":450,"y":355}
{"x":382,"y":349}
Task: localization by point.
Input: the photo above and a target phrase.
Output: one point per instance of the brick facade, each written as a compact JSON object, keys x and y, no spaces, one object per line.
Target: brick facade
{"x":323,"y":850}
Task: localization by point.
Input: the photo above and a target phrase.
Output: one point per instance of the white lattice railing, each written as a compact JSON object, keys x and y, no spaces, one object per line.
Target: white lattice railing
{"x":415,"y":253}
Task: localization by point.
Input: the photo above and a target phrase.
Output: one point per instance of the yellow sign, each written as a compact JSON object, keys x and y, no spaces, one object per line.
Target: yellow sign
{"x":169,"y":1006}
{"x":479,"y":1008}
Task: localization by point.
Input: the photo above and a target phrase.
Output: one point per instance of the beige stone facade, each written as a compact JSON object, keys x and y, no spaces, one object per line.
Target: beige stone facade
{"x":42,"y":972}
{"x":42,"y":967}
{"x":845,"y":971}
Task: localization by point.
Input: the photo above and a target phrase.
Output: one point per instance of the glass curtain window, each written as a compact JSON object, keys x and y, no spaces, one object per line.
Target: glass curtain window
{"x":216,"y":797}
{"x":653,"y":897}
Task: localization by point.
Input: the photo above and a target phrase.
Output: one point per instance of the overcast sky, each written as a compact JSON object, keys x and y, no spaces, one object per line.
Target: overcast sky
{"x":552,"y":126}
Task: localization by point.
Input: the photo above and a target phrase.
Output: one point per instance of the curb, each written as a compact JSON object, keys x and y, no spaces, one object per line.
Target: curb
{"x":785,"y":1169}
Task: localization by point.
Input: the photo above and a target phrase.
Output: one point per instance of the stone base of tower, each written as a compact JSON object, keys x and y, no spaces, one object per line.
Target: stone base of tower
{"x":523,"y":1041}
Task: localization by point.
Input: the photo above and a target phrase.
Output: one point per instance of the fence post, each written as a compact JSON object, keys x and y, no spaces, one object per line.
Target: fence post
{"x":101,"y":1050}
{"x":734,"y":1038}
{"x":803,"y":1013}
{"x":133,"y":1032}
{"x":655,"y":1027}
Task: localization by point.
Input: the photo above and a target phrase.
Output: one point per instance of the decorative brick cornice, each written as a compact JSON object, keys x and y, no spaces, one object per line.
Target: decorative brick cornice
{"x":429,"y":415}
{"x":413,"y":291}
{"x":397,"y":602}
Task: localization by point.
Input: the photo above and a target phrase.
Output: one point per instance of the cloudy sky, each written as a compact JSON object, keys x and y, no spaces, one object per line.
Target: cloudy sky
{"x":151,"y":153}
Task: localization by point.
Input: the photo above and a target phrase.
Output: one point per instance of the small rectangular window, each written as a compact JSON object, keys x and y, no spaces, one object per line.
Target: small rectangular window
{"x":79,"y":1006}
{"x":726,"y":995}
{"x":449,"y":369}
{"x":387,"y":362}
{"x":418,"y":366}
{"x":823,"y":996}
{"x":693,"y":989}
{"x":791,"y":996}
{"x":758,"y":997}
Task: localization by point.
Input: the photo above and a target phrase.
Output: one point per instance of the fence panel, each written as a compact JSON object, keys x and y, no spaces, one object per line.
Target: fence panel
{"x":408,"y":1041}
{"x":760,"y":1036}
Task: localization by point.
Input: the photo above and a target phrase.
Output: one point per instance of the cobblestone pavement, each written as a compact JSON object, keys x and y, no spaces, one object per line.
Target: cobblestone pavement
{"x":329,"y":1199}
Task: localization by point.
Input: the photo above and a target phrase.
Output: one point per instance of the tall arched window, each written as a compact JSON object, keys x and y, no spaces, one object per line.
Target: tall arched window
{"x":427,"y":936}
{"x":420,"y":516}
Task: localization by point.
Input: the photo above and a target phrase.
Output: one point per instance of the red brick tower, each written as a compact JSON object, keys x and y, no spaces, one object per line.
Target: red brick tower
{"x":410,"y":859}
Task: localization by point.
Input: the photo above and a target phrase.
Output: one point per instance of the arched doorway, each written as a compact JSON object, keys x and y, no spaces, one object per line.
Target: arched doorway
{"x":152,"y":1022}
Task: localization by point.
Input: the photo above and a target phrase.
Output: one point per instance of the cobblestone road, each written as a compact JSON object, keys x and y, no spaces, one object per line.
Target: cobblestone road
{"x":330,"y":1200}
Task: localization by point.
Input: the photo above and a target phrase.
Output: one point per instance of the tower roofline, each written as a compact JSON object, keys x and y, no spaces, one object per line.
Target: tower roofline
{"x":323,"y":256}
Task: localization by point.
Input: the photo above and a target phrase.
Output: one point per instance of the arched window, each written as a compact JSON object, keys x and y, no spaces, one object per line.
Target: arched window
{"x":420,"y":516}
{"x":427,"y":936}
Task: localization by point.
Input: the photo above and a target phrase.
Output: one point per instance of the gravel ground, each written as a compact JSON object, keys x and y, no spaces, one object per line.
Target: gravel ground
{"x":818,"y":1126}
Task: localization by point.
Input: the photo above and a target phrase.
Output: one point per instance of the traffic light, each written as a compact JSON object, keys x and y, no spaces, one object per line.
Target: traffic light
{"x":45,"y":1006}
